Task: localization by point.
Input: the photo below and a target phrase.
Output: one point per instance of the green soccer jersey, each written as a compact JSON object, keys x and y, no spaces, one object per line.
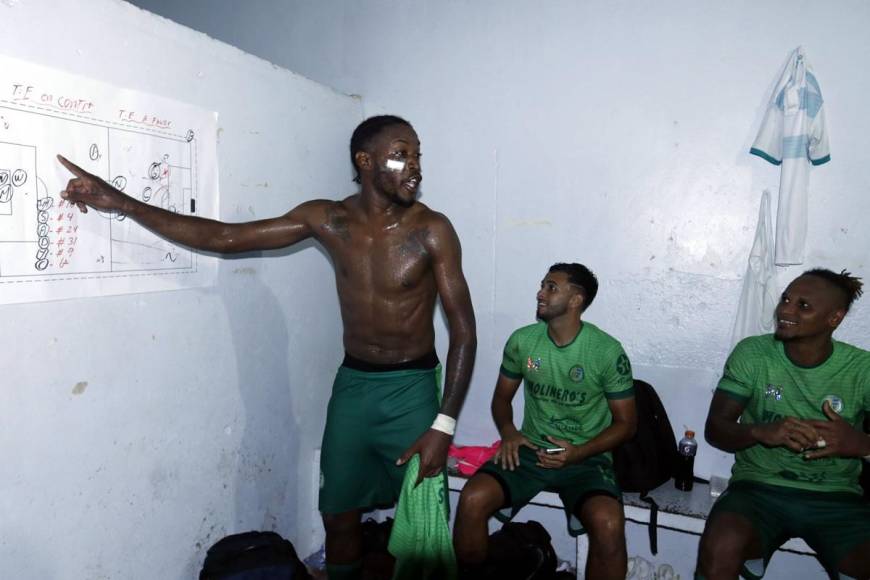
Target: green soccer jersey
{"x":566,"y":387}
{"x":760,"y":375}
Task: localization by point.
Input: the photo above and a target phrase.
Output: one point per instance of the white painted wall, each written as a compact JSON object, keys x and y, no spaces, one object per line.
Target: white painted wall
{"x":611,"y":133}
{"x":200,"y":405}
{"x":615,"y":134}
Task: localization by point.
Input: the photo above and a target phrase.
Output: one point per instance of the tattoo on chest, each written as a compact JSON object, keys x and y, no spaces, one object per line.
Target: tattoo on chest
{"x":414,"y":243}
{"x":336,"y":224}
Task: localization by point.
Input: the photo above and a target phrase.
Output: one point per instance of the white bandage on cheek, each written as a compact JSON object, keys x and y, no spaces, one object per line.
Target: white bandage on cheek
{"x":445,"y":424}
{"x":395,"y":165}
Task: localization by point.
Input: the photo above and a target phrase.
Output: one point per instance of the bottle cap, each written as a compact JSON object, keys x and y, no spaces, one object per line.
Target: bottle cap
{"x":690,"y":434}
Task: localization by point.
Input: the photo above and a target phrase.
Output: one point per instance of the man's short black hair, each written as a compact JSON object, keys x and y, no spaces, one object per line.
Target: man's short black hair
{"x":368,"y":130}
{"x":580,"y":276}
{"x":850,"y":286}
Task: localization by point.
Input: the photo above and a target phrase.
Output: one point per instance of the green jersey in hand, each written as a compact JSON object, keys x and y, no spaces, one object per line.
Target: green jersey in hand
{"x":421,"y":540}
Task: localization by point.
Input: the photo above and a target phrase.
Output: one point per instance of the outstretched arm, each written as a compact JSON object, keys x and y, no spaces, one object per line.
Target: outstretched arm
{"x":724,"y":432}
{"x":443,"y":245}
{"x":86,"y":189}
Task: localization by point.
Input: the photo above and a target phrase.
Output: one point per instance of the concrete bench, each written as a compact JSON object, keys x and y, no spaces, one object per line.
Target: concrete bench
{"x":680,"y":511}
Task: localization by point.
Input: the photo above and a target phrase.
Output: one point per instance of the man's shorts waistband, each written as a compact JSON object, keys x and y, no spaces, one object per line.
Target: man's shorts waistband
{"x":424,"y":363}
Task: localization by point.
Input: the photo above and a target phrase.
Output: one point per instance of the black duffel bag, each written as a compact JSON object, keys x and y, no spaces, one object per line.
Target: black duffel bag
{"x":253,"y":556}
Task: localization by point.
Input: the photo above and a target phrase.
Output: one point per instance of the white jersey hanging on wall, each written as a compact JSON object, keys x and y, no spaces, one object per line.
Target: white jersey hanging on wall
{"x":758,"y":299}
{"x":793,"y":134}
{"x":157,"y":150}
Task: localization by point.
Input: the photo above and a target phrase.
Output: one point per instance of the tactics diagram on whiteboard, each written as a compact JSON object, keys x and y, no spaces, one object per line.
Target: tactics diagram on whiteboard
{"x":154,"y":149}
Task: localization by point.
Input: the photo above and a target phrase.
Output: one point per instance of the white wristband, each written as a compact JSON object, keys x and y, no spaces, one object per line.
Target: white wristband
{"x":445,"y":424}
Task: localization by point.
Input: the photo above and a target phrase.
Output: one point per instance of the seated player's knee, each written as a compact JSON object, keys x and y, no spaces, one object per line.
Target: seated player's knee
{"x":608,"y":539}
{"x":722,"y":549}
{"x":605,"y":524}
{"x":478,"y":502}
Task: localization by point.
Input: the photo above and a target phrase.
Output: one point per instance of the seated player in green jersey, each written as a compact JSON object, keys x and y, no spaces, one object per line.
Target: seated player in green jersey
{"x":791,"y":406}
{"x":579,"y":404}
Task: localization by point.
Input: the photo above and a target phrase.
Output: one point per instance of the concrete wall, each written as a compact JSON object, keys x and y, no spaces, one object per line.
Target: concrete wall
{"x":615,"y":134}
{"x":612,"y":133}
{"x":194,"y":409}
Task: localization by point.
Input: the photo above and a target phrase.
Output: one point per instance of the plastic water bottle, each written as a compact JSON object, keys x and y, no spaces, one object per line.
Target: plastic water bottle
{"x":685,"y":474}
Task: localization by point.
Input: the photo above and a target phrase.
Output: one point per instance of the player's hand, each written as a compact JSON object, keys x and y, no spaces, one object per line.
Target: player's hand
{"x":432,"y":447}
{"x":572,"y":454}
{"x":86,"y":189}
{"x":837,"y":438}
{"x":508,"y":454}
{"x":795,"y":434}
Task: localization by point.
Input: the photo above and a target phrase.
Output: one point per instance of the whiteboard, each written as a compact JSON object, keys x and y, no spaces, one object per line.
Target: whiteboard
{"x":154,"y":149}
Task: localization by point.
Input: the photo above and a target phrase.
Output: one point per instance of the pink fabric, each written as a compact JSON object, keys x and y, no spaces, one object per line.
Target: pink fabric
{"x":469,"y":458}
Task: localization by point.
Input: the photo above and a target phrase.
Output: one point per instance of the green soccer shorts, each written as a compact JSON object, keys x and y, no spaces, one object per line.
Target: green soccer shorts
{"x":372,"y":418}
{"x":573,"y":483}
{"x":831,"y":523}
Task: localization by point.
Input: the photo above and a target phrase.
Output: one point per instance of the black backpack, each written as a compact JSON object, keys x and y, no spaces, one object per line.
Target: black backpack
{"x":650,"y":458}
{"x":521,"y":551}
{"x":253,"y":556}
{"x":377,"y":562}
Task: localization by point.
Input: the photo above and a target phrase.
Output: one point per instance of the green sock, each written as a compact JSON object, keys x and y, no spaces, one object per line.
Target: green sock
{"x":352,"y":571}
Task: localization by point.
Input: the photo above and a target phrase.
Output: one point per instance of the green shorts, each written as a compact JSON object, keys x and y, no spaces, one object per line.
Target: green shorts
{"x":373,"y":417}
{"x":832,"y":523}
{"x":573,"y":484}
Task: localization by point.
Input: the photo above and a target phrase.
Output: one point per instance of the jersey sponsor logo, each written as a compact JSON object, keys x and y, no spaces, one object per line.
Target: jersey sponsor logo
{"x":555,"y":394}
{"x":576,"y":373}
{"x":623,"y":366}
{"x":563,"y":424}
{"x":773,"y":392}
{"x":835,"y":402}
{"x":533,"y":364}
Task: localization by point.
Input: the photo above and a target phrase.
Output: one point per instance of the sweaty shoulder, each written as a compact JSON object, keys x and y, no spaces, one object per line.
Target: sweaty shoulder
{"x":324,"y":216}
{"x":436,"y":222}
{"x":312,"y":210}
{"x":434,"y":231}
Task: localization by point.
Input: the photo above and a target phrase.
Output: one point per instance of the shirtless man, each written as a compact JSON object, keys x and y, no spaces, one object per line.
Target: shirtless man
{"x":393,"y":257}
